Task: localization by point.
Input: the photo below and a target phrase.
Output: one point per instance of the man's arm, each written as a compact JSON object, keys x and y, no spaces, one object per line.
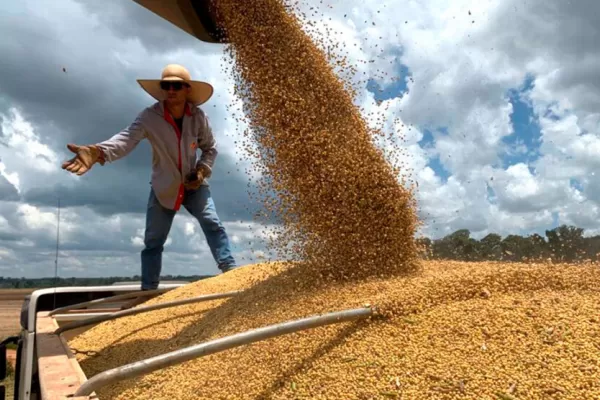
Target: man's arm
{"x":112,"y":149}
{"x":207,"y":144}
{"x":123,"y":142}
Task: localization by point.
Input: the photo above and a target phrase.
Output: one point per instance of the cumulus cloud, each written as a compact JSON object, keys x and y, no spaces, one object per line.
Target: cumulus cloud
{"x":8,"y":185}
{"x":494,"y":105}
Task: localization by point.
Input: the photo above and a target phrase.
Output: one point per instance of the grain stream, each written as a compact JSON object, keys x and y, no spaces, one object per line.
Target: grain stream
{"x":457,"y":331}
{"x":345,"y":211}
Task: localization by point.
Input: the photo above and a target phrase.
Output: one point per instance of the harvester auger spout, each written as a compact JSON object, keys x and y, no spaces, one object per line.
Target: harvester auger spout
{"x":196,"y":17}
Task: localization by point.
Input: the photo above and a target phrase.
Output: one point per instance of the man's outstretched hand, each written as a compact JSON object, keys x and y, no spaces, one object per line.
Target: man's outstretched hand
{"x":85,"y":158}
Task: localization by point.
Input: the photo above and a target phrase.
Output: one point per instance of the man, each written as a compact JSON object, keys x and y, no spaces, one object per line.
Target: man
{"x":175,"y":127}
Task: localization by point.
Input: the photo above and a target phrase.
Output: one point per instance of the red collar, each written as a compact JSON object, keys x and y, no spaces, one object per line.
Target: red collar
{"x":187,"y":111}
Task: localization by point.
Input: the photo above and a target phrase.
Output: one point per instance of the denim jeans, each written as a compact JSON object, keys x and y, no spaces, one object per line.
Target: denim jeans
{"x":198,"y":203}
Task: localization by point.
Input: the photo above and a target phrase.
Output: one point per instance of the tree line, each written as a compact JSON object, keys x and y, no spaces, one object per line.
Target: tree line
{"x":39,"y":283}
{"x":565,"y":243}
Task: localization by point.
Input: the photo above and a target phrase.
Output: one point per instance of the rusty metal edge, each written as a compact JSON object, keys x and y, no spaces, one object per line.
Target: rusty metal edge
{"x":60,"y":374}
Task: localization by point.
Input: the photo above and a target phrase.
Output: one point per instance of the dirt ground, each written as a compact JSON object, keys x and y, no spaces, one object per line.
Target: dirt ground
{"x":11,"y":356}
{"x":10,"y":309}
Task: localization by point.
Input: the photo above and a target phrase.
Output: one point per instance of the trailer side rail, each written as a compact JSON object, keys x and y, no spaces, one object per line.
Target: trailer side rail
{"x":143,"y":309}
{"x":108,"y":300}
{"x":214,"y":346}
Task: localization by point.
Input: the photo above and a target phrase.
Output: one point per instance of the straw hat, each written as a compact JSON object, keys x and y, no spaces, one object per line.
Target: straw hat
{"x":200,"y":93}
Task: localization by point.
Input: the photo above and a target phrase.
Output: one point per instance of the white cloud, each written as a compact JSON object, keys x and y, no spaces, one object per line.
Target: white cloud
{"x":462,"y":56}
{"x":26,"y":159}
{"x":137,"y":241}
{"x":7,"y":254}
{"x":13,"y":177}
{"x":36,"y":219}
{"x":190,"y":228}
{"x":24,"y":143}
{"x":519,"y":190}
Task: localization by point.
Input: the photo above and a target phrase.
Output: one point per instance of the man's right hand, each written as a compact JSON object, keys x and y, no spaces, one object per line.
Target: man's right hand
{"x":85,"y":158}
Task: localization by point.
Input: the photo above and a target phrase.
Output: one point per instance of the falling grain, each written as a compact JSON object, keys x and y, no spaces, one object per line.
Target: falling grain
{"x":346,"y":211}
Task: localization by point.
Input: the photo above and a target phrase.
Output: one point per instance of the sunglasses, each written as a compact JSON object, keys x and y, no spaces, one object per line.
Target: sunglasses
{"x":165,"y":85}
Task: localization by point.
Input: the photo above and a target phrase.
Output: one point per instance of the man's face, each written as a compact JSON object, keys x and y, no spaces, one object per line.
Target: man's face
{"x":176,"y":92}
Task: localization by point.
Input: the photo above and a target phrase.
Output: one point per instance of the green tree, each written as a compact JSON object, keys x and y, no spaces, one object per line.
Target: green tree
{"x":490,"y":247}
{"x":457,"y":246}
{"x":565,"y":242}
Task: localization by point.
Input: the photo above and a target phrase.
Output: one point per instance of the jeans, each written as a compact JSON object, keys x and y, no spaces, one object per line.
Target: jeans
{"x":159,"y":219}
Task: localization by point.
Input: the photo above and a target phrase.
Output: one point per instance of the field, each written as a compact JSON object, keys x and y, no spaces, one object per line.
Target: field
{"x":10,"y":309}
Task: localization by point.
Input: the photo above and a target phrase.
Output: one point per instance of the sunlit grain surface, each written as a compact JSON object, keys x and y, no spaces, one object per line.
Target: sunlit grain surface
{"x":459,"y":330}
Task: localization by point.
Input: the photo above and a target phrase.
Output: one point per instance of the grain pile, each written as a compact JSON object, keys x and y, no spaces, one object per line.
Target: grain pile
{"x":458,"y":331}
{"x":344,"y":209}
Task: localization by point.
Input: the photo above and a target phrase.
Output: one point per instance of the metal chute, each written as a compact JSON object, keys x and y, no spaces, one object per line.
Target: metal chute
{"x":196,"y":17}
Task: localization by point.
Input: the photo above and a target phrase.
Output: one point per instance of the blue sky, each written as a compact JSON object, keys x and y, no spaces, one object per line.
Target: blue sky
{"x":525,"y":124}
{"x":521,"y":147}
{"x":526,"y":136}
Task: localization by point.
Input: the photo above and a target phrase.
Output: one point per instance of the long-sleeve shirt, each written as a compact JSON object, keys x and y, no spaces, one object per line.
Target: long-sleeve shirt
{"x":174,"y":153}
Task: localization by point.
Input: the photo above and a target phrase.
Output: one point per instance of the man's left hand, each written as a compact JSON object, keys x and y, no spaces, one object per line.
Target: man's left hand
{"x":193,"y":182}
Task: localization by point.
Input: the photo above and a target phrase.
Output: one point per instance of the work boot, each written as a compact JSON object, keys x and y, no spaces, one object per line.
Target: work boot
{"x":227,"y":268}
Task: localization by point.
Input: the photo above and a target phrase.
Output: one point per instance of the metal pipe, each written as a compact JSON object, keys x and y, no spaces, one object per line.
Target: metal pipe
{"x":107,"y":300}
{"x":214,"y":346}
{"x":78,"y":316}
{"x":139,"y":310}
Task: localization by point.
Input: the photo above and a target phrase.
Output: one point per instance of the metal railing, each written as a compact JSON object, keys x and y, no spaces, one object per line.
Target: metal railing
{"x":125,"y":296}
{"x":139,"y":310}
{"x":214,"y":346}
